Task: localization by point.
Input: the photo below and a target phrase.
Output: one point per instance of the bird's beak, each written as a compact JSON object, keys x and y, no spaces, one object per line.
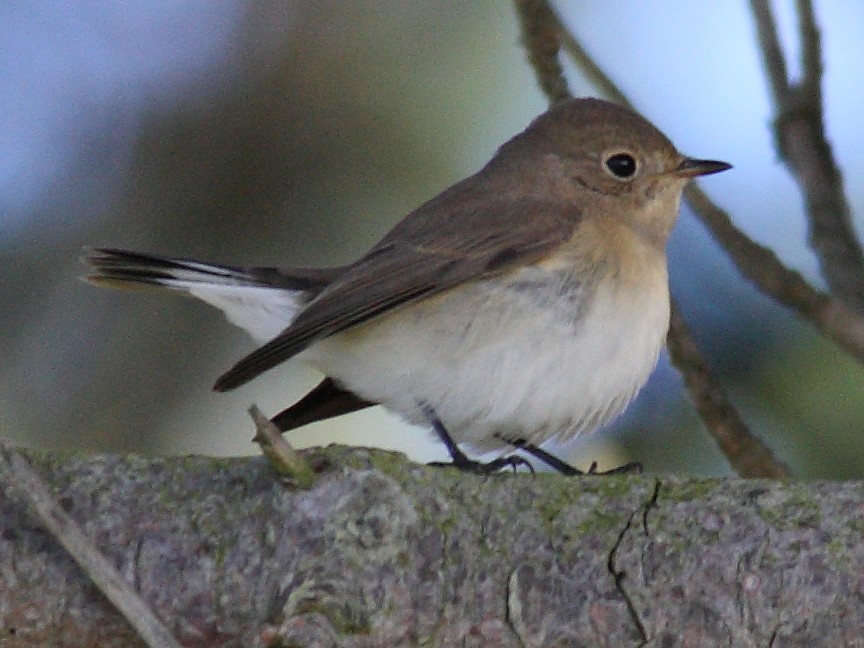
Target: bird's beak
{"x":690,"y":168}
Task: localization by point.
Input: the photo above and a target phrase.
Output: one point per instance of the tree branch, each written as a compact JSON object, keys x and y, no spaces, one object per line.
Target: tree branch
{"x":746,"y":453}
{"x":383,"y":552}
{"x":769,"y":45}
{"x":760,"y":265}
{"x":811,"y":50}
{"x":799,"y":132}
{"x":540,"y":33}
{"x":93,"y":564}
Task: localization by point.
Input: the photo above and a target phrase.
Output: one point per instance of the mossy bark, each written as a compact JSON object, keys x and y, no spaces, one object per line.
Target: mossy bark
{"x":383,"y":552}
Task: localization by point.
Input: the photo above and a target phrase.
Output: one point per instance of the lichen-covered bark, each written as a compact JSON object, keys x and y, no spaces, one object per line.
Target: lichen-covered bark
{"x":382,"y":552}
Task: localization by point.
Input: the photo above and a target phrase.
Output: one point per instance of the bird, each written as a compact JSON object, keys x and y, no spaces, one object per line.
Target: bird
{"x":526,"y":303}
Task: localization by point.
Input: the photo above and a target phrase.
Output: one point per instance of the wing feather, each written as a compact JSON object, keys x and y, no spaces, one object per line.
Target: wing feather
{"x":475,"y":240}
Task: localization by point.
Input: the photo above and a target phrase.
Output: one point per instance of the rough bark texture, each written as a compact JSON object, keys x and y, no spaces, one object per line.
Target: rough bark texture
{"x":383,"y":552}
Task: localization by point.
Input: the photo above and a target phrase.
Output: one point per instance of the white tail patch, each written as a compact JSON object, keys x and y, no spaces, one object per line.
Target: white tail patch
{"x":248,"y":301}
{"x":262,"y":312}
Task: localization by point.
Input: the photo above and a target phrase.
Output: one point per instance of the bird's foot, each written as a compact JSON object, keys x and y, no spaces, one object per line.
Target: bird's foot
{"x":460,"y":460}
{"x":566,"y":469}
{"x":467,"y":464}
{"x":630,"y":468}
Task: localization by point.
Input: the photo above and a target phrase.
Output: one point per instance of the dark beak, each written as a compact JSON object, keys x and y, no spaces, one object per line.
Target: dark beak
{"x":690,"y":168}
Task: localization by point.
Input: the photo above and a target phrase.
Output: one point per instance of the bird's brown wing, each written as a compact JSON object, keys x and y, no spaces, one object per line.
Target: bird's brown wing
{"x":425,"y":254}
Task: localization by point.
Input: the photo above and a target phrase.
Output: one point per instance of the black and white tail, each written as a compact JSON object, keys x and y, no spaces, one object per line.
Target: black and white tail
{"x":262,"y":301}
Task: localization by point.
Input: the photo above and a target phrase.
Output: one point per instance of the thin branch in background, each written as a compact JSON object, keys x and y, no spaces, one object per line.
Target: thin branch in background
{"x":811,"y":49}
{"x":540,"y":36}
{"x":745,"y":452}
{"x":830,"y":316}
{"x":772,"y":54}
{"x":799,"y":133}
{"x":20,"y":476}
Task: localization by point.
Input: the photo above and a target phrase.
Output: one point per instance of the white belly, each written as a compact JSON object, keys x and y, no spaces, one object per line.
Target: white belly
{"x":533,"y":358}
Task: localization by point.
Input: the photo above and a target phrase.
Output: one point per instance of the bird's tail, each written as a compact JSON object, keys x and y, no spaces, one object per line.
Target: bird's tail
{"x":263,"y":301}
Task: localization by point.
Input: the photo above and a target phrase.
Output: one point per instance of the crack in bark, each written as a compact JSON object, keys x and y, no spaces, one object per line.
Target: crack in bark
{"x":773,"y":638}
{"x":649,"y":505}
{"x":136,"y":564}
{"x":619,"y":575}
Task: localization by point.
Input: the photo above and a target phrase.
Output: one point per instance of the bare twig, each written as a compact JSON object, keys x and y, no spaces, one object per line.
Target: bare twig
{"x":799,"y":133}
{"x":540,"y":35}
{"x":811,"y":49}
{"x":281,"y":455}
{"x":747,"y":454}
{"x":101,"y":572}
{"x":830,"y":316}
{"x":769,"y":45}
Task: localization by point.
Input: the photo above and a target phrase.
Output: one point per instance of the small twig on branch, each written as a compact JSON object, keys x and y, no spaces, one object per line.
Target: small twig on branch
{"x":747,"y":454}
{"x":21,"y":477}
{"x":281,"y":455}
{"x":799,"y":133}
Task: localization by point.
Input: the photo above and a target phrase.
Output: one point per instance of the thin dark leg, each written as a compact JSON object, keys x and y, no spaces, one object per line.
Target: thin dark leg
{"x":630,"y":468}
{"x":460,"y":460}
{"x":549,"y":459}
{"x":566,"y":469}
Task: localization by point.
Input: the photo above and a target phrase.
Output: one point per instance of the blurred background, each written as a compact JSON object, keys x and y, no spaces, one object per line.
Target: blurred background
{"x":297,"y":132}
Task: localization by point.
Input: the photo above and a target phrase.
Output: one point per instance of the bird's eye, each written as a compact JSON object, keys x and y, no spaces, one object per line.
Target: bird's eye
{"x":621,"y":165}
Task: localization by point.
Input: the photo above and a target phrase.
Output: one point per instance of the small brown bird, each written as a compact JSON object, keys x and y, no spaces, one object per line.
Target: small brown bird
{"x":525,"y":303}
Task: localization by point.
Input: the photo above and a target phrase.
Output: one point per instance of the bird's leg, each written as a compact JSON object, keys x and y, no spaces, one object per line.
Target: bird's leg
{"x":460,"y":460}
{"x":566,"y":469}
{"x":630,"y":468}
{"x":549,"y":459}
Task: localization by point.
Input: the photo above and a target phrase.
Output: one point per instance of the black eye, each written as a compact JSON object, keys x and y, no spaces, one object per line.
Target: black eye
{"x":622,"y":165}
